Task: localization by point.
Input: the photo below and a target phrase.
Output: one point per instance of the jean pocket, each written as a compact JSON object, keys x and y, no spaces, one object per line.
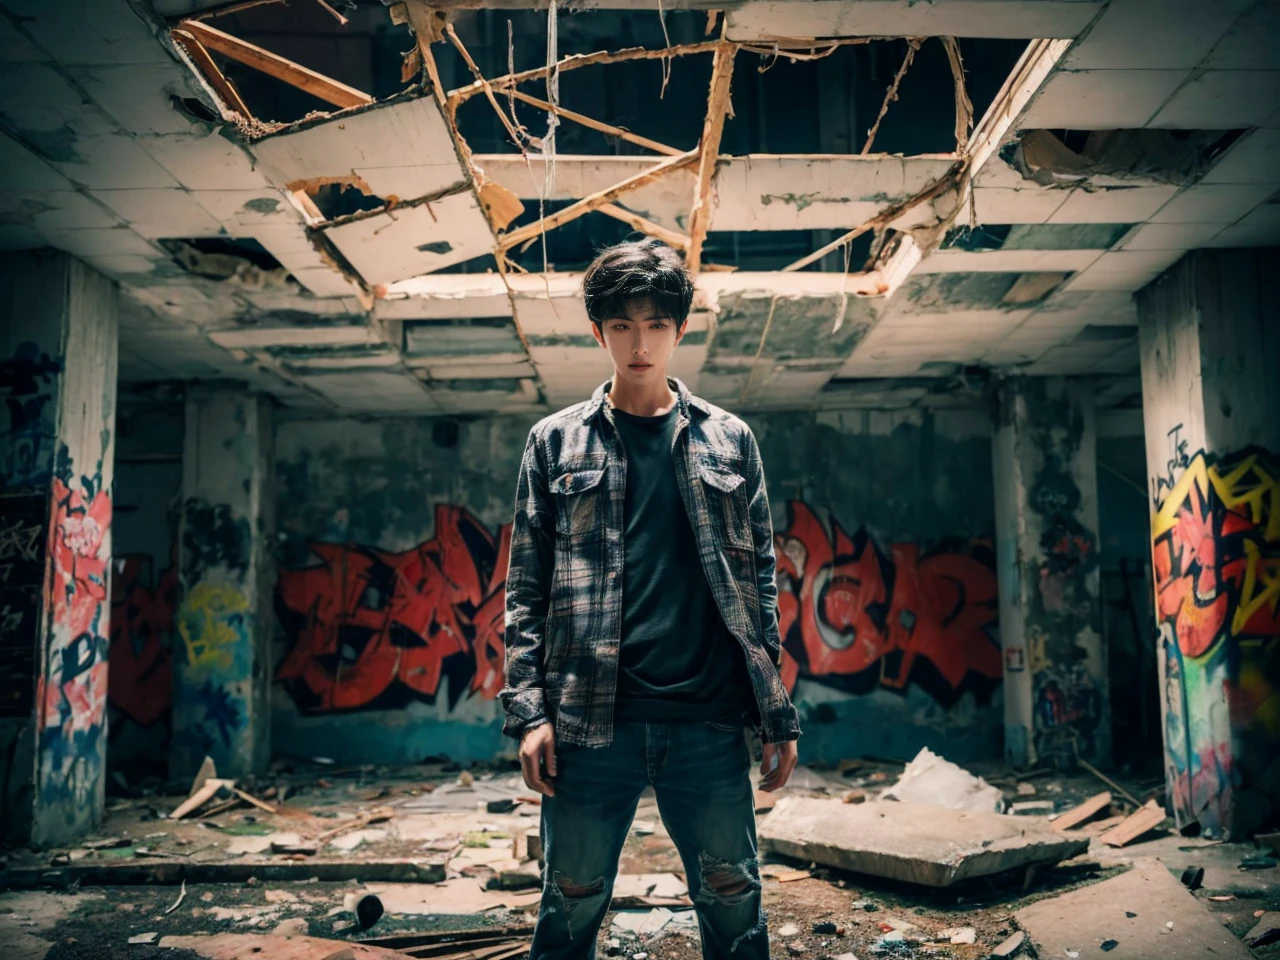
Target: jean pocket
{"x":736,"y":726}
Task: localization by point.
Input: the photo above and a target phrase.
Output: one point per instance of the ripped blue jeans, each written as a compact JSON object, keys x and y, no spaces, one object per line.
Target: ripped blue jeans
{"x":700,"y":773}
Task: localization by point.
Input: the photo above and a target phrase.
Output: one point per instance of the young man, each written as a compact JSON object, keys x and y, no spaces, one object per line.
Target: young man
{"x":641,"y":624}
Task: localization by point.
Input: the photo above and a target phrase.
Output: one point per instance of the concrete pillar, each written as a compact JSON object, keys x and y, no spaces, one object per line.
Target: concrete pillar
{"x":222,"y":664}
{"x":58,"y":328}
{"x":1210,"y":339}
{"x":1046,"y":485}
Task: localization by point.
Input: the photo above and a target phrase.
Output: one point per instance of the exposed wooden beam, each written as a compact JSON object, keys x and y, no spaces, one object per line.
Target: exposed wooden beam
{"x":671,"y":238}
{"x":204,"y":63}
{"x":274,"y":65}
{"x":599,"y":125}
{"x":596,"y":200}
{"x":336,"y":15}
{"x":488,"y":90}
{"x":718,"y":107}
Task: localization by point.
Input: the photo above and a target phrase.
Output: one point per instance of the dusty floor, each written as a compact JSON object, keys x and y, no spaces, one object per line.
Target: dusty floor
{"x":434,"y":815}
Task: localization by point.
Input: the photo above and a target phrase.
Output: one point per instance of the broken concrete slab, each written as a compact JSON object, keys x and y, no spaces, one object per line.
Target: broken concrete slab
{"x":1134,"y":909}
{"x":915,"y":842}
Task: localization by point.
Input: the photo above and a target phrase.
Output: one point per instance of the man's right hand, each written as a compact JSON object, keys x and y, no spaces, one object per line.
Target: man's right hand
{"x":538,"y":759}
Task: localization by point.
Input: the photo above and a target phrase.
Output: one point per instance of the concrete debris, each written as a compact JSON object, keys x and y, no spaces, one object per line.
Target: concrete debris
{"x":144,"y":938}
{"x":931,"y":779}
{"x":252,"y":946}
{"x":1080,"y":921}
{"x":915,"y":842}
{"x":647,"y":923}
{"x":789,"y":930}
{"x":293,"y":927}
{"x":1025,"y":789}
{"x":349,"y":841}
{"x":958,"y":935}
{"x":1265,"y":931}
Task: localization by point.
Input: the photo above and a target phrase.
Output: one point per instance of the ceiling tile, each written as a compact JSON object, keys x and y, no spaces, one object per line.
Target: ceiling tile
{"x":114,"y":161}
{"x":1250,"y":44}
{"x":1255,"y":158}
{"x":1222,"y":100}
{"x":1213,"y":203}
{"x":1175,"y":34}
{"x":1172,"y":236}
{"x":1113,"y":205}
{"x":1101,"y":99}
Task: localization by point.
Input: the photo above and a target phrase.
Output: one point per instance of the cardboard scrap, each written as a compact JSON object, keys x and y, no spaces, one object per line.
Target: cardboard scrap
{"x":1141,"y":821}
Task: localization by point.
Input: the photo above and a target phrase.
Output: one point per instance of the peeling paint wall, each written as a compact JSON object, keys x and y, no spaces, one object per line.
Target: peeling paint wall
{"x":1210,"y":340}
{"x":56,"y":444}
{"x":1047,"y":527}
{"x":393,"y":547}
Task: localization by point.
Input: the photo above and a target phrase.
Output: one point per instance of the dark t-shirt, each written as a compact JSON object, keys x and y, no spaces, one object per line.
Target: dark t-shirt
{"x":678,"y":662}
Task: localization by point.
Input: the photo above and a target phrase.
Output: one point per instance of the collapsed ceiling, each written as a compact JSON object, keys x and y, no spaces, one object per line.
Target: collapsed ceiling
{"x":366,"y":208}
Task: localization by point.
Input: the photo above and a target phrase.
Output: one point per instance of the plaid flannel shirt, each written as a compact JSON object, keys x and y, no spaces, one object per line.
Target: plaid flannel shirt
{"x":564,"y":585}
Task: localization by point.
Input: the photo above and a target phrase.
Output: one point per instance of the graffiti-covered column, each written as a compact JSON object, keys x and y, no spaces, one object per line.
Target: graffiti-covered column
{"x":1046,"y":486}
{"x":1210,"y":340}
{"x":221,"y":673}
{"x":58,"y":326}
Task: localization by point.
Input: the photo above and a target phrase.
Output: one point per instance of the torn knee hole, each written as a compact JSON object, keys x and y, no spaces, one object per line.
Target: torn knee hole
{"x":573,"y":890}
{"x":724,"y":879}
{"x":727,"y":884}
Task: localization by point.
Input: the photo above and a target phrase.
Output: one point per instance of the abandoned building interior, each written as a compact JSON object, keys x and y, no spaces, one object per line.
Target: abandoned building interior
{"x":286,"y":283}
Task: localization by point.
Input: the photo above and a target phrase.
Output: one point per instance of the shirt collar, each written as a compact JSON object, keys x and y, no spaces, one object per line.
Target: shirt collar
{"x":685,"y":400}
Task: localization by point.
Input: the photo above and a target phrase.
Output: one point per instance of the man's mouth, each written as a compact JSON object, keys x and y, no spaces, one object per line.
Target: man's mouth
{"x":640,"y":366}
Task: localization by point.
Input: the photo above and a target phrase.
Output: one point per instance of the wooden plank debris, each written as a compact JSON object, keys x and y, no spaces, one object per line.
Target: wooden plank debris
{"x":206,"y":792}
{"x":719,"y":106}
{"x":255,"y":946}
{"x":1142,"y":820}
{"x":1146,"y":910}
{"x":1082,"y":812}
{"x":595,"y":201}
{"x":274,"y":65}
{"x":598,"y":125}
{"x":671,"y":238}
{"x":914,"y":842}
{"x":174,"y":872}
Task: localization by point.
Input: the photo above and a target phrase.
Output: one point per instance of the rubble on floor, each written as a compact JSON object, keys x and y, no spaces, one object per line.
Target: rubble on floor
{"x":340,"y":861}
{"x":912,"y":842}
{"x":931,"y":779}
{"x":1141,"y":914}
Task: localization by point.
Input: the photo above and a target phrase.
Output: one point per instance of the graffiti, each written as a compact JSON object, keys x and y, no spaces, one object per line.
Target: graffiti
{"x":1216,"y":566}
{"x":140,"y":682}
{"x":373,"y":629}
{"x":23,"y":518}
{"x":855,"y":616}
{"x":213,"y":625}
{"x":27,"y":381}
{"x":220,"y":711}
{"x":1178,"y":461}
{"x":72,"y":688}
{"x":212,"y":536}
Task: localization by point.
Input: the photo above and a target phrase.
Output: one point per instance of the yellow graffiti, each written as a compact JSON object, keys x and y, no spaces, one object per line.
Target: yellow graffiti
{"x":1166,"y":517}
{"x":1248,"y":482}
{"x":1261,"y":586}
{"x":211,"y":623}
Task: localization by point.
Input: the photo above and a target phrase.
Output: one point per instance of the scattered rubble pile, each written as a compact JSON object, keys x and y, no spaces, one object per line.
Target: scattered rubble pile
{"x":870,"y":858}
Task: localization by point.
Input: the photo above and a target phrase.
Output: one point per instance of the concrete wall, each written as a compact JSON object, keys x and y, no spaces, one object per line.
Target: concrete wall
{"x":144,"y":587}
{"x":391,"y":553}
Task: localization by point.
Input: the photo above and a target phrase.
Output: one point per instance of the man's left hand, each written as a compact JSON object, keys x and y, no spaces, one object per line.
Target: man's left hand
{"x":777,"y":762}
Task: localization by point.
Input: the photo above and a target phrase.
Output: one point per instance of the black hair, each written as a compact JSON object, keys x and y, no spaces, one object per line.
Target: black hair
{"x":635,"y":270}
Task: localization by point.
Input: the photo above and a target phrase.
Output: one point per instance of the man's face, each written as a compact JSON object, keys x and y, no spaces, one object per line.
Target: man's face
{"x":639,"y":342}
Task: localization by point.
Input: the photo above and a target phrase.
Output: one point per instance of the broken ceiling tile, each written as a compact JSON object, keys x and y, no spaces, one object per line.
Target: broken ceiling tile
{"x":248,"y":208}
{"x":766,"y":19}
{"x":1027,"y":204}
{"x":399,"y":149}
{"x":392,"y":245}
{"x":161,"y":212}
{"x":205,"y":161}
{"x":559,"y":315}
{"x":464,"y":340}
{"x":139,"y":96}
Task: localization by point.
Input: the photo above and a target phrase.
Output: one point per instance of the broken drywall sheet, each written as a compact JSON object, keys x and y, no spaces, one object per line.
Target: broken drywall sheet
{"x":931,"y":779}
{"x":400,"y":149}
{"x":395,"y":244}
{"x":1143,"y":913}
{"x":781,"y":19}
{"x":761,"y":192}
{"x":914,"y":842}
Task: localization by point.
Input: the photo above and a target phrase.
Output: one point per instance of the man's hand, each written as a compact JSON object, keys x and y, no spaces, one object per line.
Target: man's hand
{"x":538,"y":759}
{"x":777,"y":762}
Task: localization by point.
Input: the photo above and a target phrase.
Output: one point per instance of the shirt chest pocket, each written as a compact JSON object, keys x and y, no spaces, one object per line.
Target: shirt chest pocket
{"x":726,"y":497}
{"x":578,"y":492}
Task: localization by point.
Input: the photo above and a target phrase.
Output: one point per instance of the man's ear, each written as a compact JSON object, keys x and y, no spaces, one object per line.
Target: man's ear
{"x":680,"y":330}
{"x":598,"y":334}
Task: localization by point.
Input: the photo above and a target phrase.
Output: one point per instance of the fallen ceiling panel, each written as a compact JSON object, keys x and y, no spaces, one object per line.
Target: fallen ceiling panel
{"x":406,"y":241}
{"x":399,"y":149}
{"x":1012,"y":19}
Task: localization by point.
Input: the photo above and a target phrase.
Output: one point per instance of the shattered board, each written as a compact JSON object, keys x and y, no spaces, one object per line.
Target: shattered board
{"x":1146,"y":912}
{"x":915,"y":842}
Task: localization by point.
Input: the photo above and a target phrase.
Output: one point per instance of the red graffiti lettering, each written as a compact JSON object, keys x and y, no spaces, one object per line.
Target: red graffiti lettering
{"x":140,"y":684}
{"x":366,"y":622}
{"x":845,"y":608}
